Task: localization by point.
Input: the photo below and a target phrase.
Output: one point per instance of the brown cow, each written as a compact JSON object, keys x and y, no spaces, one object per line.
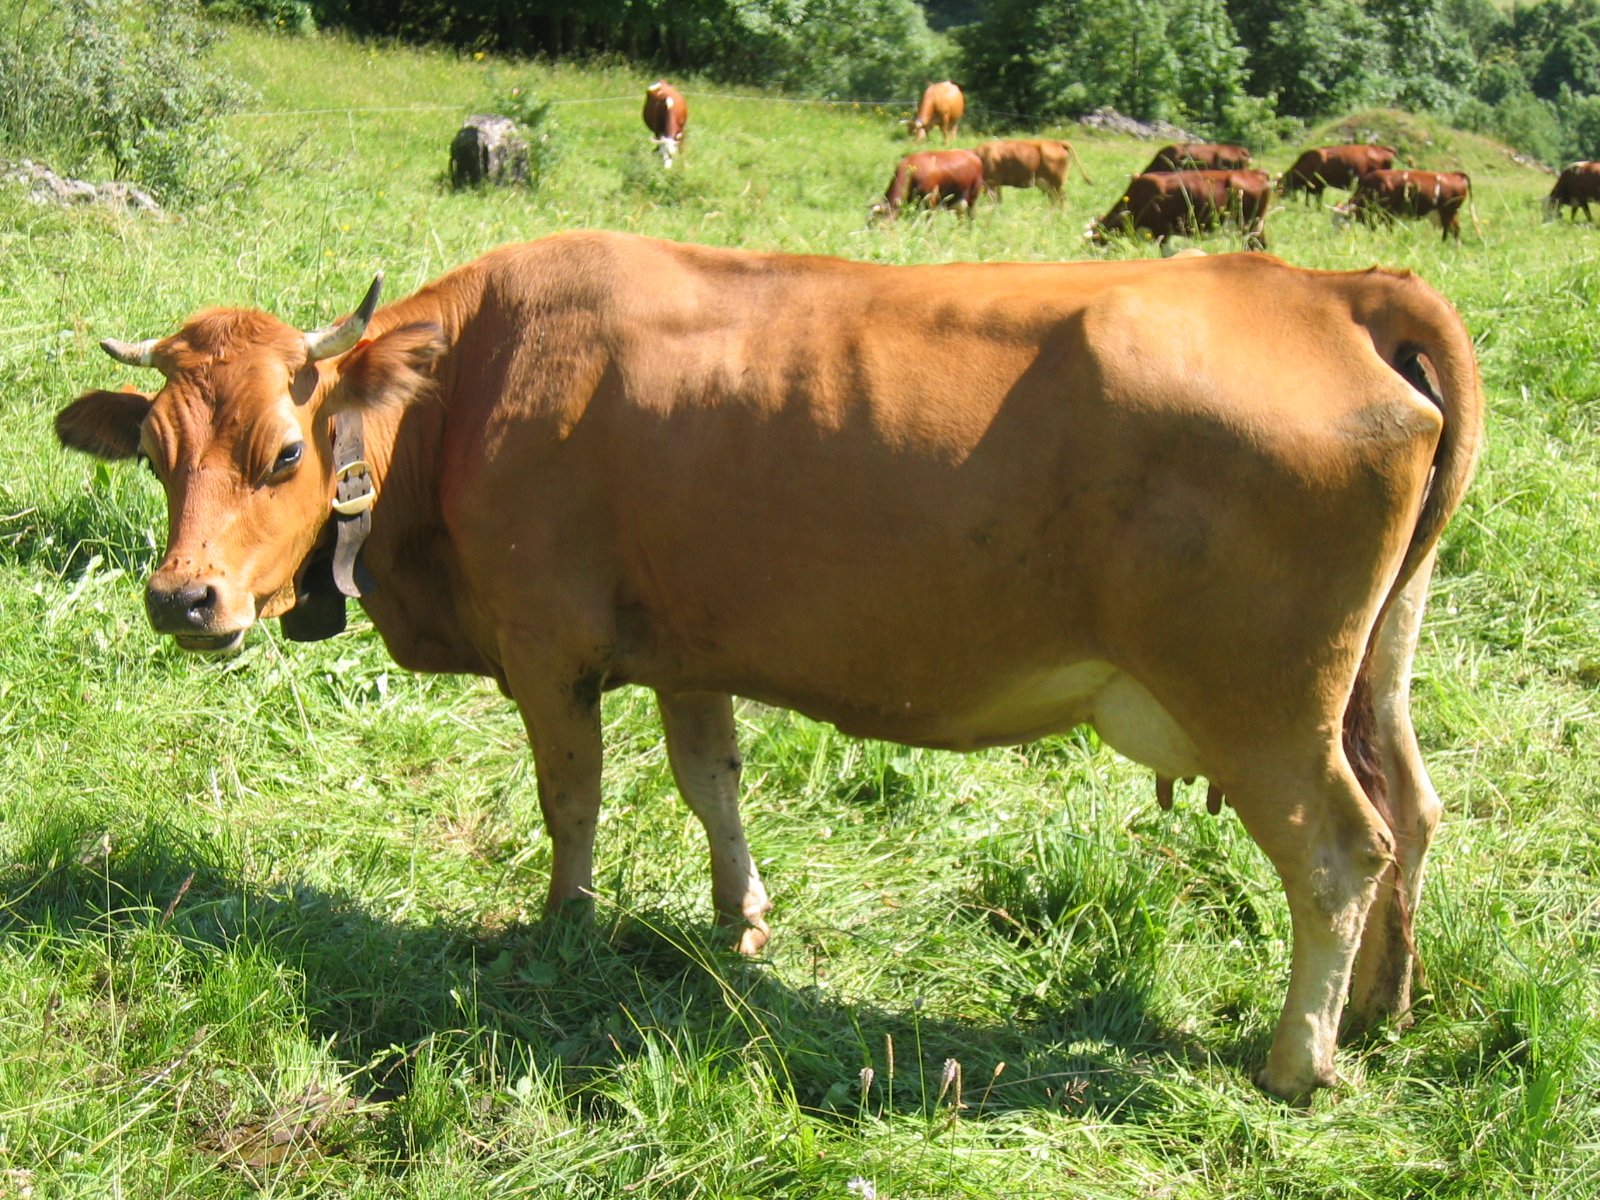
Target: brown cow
{"x":942,"y":105}
{"x":1211,"y":517}
{"x":1198,"y":156}
{"x":666,"y":115}
{"x":1390,"y":194}
{"x":933,"y":177}
{"x":1041,"y":163}
{"x":1333,"y":166}
{"x":1576,"y":186}
{"x":1189,"y":202}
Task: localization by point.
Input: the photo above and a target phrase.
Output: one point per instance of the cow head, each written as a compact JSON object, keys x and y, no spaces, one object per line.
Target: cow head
{"x":240,"y":435}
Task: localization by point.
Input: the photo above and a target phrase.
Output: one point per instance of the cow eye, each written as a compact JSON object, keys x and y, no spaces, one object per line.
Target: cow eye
{"x":288,"y":459}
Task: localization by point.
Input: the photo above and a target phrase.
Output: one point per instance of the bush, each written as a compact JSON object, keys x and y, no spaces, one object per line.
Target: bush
{"x":537,"y":124}
{"x":291,"y":16}
{"x":96,"y":86}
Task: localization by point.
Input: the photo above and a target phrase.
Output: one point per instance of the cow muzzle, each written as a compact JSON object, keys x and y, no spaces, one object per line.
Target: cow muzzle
{"x":190,"y":611}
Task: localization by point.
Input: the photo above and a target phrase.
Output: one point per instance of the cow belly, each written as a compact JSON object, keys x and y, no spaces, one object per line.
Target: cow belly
{"x":1121,"y":709}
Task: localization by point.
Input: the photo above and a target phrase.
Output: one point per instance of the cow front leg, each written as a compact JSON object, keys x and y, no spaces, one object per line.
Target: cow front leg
{"x":563,"y":725}
{"x":1329,"y":847}
{"x":704,"y":754}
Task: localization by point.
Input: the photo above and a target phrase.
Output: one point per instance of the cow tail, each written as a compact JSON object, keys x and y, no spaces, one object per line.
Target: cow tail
{"x":1422,"y":326}
{"x":1078,"y":160}
{"x":1472,"y":209}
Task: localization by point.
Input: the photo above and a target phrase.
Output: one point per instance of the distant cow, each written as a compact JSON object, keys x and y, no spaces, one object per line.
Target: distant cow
{"x":937,"y":176}
{"x":942,"y":105}
{"x":1334,"y":166}
{"x":1393,"y":194}
{"x":666,"y":113}
{"x":1041,"y":163}
{"x":1189,"y":202}
{"x":1577,"y":185}
{"x":1198,"y":156}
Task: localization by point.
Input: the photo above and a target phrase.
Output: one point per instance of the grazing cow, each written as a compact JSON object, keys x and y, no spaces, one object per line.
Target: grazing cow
{"x":1194,"y":503}
{"x":933,"y":177}
{"x":1576,"y":187}
{"x":1390,"y":194}
{"x":666,"y":114}
{"x":1198,"y":156}
{"x":942,"y":105}
{"x":1041,"y":163}
{"x":1189,"y":202}
{"x":1333,"y":166}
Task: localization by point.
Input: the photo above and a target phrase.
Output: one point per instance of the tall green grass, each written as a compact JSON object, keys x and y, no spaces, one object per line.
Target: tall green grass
{"x":272,"y":926}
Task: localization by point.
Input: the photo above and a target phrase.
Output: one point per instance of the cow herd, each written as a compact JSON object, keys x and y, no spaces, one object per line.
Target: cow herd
{"x":1187,"y":188}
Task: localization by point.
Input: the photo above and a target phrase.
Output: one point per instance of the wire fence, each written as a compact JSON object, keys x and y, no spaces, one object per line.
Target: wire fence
{"x":979,"y":111}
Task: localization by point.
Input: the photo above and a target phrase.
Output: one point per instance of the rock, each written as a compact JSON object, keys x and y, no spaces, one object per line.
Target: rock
{"x":1110,"y":120}
{"x":46,"y":187}
{"x":488,"y":149}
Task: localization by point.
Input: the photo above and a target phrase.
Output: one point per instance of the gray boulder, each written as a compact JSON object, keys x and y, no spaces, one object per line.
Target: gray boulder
{"x":488,"y":149}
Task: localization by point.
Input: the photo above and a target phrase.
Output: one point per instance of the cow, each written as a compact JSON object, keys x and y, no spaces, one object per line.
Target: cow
{"x":1041,"y":163}
{"x":1188,"y":202}
{"x":1333,"y":166}
{"x":1390,"y":194}
{"x":952,"y":506}
{"x":942,"y":105}
{"x":933,"y":177}
{"x":1576,"y":186}
{"x":666,"y":115}
{"x":1198,"y":156}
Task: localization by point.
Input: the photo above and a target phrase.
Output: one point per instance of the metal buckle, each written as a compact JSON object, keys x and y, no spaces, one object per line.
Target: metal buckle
{"x":355,"y":505}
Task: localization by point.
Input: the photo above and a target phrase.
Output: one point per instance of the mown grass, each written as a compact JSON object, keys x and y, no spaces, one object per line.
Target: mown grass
{"x":272,"y":926}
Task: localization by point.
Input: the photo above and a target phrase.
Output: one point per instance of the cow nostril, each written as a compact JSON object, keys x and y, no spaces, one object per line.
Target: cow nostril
{"x":188,"y":606}
{"x":197,"y":600}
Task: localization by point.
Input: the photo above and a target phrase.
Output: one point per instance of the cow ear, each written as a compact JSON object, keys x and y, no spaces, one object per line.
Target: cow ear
{"x":393,"y":368}
{"x":105,"y":424}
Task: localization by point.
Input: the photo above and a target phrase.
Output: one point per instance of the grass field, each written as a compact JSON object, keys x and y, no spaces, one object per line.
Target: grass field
{"x":271,"y":926}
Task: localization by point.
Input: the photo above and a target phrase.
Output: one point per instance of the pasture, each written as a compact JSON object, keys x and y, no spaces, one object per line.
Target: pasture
{"x":271,"y":925}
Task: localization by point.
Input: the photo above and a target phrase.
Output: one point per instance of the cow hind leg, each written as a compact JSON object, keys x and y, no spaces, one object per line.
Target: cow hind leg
{"x":1329,"y":846}
{"x":704,"y":754}
{"x":1381,"y":984}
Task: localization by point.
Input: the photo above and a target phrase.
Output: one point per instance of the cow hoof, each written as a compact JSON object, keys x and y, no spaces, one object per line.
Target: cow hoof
{"x":752,"y":939}
{"x":1296,"y":1093}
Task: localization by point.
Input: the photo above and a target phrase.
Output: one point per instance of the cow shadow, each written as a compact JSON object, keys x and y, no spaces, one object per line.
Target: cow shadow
{"x":590,"y":995}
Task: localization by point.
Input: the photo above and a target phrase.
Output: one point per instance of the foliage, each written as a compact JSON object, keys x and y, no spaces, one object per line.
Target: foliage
{"x":110,"y":85}
{"x":286,"y":16}
{"x":1175,"y":59}
{"x":536,"y":123}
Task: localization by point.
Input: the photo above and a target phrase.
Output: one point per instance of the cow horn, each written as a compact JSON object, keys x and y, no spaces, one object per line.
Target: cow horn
{"x":331,"y":340}
{"x":133,"y":354}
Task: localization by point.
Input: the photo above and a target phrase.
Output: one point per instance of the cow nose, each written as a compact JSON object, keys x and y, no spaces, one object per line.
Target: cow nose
{"x":181,"y":607}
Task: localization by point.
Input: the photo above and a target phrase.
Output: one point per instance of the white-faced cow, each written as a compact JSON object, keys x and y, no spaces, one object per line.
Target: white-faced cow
{"x":953,"y":506}
{"x":666,"y":115}
{"x":942,"y":105}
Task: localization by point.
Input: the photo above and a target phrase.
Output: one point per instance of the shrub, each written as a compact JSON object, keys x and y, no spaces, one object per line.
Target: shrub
{"x":112,"y":85}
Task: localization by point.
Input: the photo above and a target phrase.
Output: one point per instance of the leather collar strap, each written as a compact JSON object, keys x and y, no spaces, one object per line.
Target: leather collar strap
{"x":333,"y":570}
{"x":352,"y":502}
